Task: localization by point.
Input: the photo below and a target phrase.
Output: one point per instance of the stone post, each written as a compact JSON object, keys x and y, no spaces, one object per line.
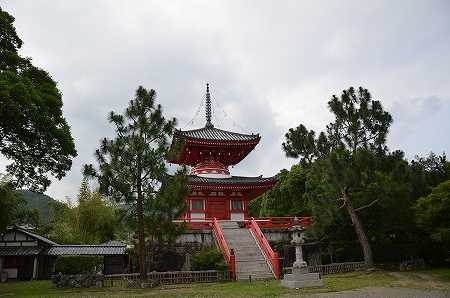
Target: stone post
{"x":300,"y":276}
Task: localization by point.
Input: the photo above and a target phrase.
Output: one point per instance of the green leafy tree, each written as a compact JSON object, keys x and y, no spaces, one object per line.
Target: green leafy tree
{"x":132,"y":170}
{"x":355,"y":138}
{"x":10,"y":202}
{"x":96,"y":220}
{"x":433,"y":213}
{"x":286,"y":198}
{"x":91,"y":221}
{"x":34,"y":135}
{"x":428,"y":172}
{"x":13,"y":209}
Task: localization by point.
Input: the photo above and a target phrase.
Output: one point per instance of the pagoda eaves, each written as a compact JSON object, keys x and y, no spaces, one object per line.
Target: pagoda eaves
{"x":226,"y":147}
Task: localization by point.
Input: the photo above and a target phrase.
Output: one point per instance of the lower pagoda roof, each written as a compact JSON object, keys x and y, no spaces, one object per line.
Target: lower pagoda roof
{"x":233,"y":180}
{"x":253,"y":186}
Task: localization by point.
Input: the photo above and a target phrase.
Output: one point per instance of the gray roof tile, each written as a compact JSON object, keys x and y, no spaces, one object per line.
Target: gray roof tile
{"x":19,"y":251}
{"x":38,"y":237}
{"x":231,"y":180}
{"x":215,"y":134}
{"x":59,"y":250}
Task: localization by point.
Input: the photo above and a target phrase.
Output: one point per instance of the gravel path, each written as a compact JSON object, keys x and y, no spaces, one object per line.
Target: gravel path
{"x":385,"y":293}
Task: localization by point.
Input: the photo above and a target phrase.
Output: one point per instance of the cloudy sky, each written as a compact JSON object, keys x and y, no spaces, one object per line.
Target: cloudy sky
{"x":271,"y":64}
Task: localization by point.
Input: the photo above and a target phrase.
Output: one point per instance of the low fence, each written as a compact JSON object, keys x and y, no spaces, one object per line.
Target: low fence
{"x":334,"y":268}
{"x":172,"y":277}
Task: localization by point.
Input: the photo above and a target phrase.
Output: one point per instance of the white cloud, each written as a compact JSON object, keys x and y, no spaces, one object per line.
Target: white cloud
{"x":272,"y":65}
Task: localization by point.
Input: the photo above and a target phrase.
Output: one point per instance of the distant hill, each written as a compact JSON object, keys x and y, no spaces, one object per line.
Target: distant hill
{"x":38,"y":201}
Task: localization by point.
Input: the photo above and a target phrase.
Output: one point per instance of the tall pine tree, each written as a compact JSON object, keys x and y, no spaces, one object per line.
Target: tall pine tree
{"x":347,"y":153}
{"x":132,"y":170}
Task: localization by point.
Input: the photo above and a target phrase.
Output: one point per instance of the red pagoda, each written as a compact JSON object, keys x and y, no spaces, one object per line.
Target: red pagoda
{"x":210,"y":151}
{"x":218,"y":201}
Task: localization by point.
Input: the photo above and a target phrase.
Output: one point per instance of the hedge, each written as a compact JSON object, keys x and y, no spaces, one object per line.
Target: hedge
{"x":78,"y":264}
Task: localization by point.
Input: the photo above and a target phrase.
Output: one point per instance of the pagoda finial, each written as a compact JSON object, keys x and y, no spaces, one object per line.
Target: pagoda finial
{"x":208,"y":108}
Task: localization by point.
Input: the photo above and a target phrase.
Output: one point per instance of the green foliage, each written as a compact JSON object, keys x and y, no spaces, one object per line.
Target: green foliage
{"x":10,"y":202}
{"x":209,"y":259}
{"x":349,"y":151}
{"x":34,"y":135}
{"x":433,"y":213}
{"x":286,"y":198}
{"x":164,"y":258}
{"x":12,"y":208}
{"x":91,"y":221}
{"x":360,"y":122}
{"x":132,"y":171}
{"x":38,"y":201}
{"x":79,"y":264}
{"x":301,"y":142}
{"x":355,"y":172}
{"x":132,"y":167}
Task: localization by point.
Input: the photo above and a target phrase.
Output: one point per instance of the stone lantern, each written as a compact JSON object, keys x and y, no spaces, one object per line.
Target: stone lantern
{"x":300,"y":276}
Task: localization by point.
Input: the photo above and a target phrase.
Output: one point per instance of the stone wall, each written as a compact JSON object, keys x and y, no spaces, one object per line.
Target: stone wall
{"x":89,"y":280}
{"x":204,"y":237}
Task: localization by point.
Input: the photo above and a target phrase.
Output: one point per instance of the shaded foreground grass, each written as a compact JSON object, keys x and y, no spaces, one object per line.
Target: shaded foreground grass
{"x":333,"y":283}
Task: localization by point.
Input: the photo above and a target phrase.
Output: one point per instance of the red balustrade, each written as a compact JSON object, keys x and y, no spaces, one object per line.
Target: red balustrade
{"x":272,"y":256}
{"x":263,"y":222}
{"x":282,"y":222}
{"x":229,"y":255}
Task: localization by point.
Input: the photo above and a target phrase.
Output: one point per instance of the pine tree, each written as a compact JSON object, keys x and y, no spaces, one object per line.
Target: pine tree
{"x":132,"y":170}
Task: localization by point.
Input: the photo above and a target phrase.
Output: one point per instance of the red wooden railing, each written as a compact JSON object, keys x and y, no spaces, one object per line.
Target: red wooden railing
{"x":282,"y":222}
{"x":229,"y":255}
{"x":272,"y":256}
{"x":196,"y":223}
{"x":263,"y":222}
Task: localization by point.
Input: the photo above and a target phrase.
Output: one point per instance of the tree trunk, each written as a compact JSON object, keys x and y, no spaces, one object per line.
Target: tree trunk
{"x":141,"y":236}
{"x":365,"y":245}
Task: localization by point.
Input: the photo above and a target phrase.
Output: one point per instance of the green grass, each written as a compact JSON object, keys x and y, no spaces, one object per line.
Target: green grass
{"x":333,"y":283}
{"x":441,"y":273}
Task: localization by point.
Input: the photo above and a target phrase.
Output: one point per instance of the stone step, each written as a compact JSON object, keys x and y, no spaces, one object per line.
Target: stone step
{"x":254,"y":268}
{"x":249,"y":258}
{"x":253,"y":255}
{"x":250,"y":265}
{"x":258,"y":276}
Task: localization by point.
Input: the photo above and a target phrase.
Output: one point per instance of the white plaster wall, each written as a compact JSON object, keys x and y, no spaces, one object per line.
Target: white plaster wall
{"x":237,"y":216}
{"x":197,"y":216}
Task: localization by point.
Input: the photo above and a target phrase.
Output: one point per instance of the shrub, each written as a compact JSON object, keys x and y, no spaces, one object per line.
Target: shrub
{"x":209,"y":259}
{"x":162,"y":258}
{"x":78,"y":264}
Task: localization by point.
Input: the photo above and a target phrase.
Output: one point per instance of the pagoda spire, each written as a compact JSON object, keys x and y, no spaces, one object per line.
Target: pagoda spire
{"x":208,"y":108}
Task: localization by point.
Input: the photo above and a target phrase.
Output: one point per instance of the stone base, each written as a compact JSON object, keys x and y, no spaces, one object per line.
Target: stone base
{"x":301,"y":279}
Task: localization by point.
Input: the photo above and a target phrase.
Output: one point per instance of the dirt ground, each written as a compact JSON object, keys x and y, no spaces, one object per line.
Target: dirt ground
{"x":407,"y":285}
{"x":391,"y":292}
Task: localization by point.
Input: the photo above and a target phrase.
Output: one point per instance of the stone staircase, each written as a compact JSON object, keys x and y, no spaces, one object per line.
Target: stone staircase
{"x":250,"y":260}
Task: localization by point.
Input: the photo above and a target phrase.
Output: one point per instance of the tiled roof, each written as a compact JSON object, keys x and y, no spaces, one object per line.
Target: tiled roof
{"x":38,"y":237}
{"x":98,"y":250}
{"x":19,"y":251}
{"x":215,"y":134}
{"x":231,"y":180}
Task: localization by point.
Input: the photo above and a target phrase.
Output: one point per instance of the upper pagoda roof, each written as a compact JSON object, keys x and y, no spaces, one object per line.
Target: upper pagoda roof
{"x":216,"y":135}
{"x":191,"y":147}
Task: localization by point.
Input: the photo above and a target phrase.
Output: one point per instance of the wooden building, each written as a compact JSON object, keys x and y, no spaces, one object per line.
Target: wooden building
{"x":25,"y":255}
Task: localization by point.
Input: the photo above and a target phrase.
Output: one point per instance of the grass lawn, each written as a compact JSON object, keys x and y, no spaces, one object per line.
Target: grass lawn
{"x":333,"y":283}
{"x":442,"y":273}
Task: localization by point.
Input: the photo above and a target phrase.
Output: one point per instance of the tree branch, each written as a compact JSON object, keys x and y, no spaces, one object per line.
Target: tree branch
{"x":366,"y":206}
